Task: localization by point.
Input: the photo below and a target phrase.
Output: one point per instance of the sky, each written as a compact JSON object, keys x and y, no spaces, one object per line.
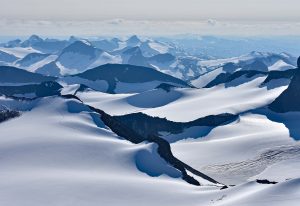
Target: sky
{"x":153,"y":17}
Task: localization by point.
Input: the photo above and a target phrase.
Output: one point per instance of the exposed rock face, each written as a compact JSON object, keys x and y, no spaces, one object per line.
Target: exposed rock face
{"x":145,"y":125}
{"x":289,"y":99}
{"x":6,"y":114}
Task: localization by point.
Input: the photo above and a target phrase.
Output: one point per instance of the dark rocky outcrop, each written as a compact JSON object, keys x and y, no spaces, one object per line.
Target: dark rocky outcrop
{"x":162,"y":58}
{"x":265,"y":181}
{"x":40,"y":90}
{"x":163,"y":149}
{"x":289,"y":99}
{"x":165,"y":86}
{"x":50,"y":69}
{"x":113,"y":73}
{"x":257,"y":65}
{"x":146,"y":125}
{"x":15,"y":75}
{"x":228,"y":77}
{"x":286,"y":74}
{"x":31,"y":58}
{"x":6,"y":114}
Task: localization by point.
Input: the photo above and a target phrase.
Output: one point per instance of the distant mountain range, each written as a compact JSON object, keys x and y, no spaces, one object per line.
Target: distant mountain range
{"x":64,"y":57}
{"x":79,"y":118}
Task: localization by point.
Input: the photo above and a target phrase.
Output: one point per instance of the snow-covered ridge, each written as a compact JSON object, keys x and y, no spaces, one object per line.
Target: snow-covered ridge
{"x":141,"y":135}
{"x":166,"y":57}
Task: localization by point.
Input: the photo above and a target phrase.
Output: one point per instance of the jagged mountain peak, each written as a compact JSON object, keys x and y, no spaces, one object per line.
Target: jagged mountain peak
{"x":133,"y":40}
{"x":35,"y":37}
{"x":72,"y":39}
{"x":133,"y":50}
{"x":80,"y":46}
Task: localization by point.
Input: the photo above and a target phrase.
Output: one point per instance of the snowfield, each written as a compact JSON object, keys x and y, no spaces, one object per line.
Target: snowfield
{"x":183,"y":105}
{"x":75,"y":132}
{"x":230,"y":151}
{"x":19,"y":52}
{"x":83,"y":163}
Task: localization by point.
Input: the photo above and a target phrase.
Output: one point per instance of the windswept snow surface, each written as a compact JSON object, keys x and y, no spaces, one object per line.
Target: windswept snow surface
{"x":206,"y":78}
{"x":239,"y":150}
{"x":58,"y":152}
{"x":19,"y":52}
{"x":280,"y":66}
{"x":183,"y":105}
{"x":41,"y":63}
{"x":62,"y":154}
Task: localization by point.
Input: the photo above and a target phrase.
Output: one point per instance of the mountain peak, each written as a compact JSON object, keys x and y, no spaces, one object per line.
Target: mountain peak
{"x":134,"y":40}
{"x":133,"y":50}
{"x":73,"y":39}
{"x":298,"y":62}
{"x":34,"y":38}
{"x":80,"y":44}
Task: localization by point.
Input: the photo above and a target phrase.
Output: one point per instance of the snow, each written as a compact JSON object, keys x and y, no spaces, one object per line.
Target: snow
{"x":72,"y":62}
{"x":123,"y":87}
{"x":281,"y":171}
{"x":16,"y":105}
{"x":119,"y":104}
{"x":27,"y":95}
{"x":69,"y":89}
{"x":204,"y":79}
{"x":39,"y":64}
{"x":233,"y":152}
{"x":272,"y":60}
{"x":153,"y":98}
{"x":19,"y":52}
{"x":59,"y":152}
{"x":217,"y":100}
{"x":189,"y":104}
{"x":158,"y":47}
{"x":84,"y":163}
{"x":286,"y":193}
{"x":64,"y":70}
{"x":280,"y":66}
{"x":114,"y":104}
{"x":99,"y":85}
{"x":105,"y":58}
{"x":81,"y":163}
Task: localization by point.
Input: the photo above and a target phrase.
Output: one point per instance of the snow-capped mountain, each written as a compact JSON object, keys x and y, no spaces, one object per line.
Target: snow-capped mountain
{"x":31,"y":59}
{"x":134,"y":131}
{"x":6,"y":58}
{"x":255,"y":61}
{"x":63,"y":57}
{"x":11,"y":75}
{"x":123,"y":78}
{"x":77,"y":57}
{"x":44,"y":45}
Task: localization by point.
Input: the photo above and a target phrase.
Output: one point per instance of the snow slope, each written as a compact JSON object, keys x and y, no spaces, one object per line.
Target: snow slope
{"x":84,"y":163}
{"x":81,"y":163}
{"x":183,"y":105}
{"x":233,"y":152}
{"x":19,"y":52}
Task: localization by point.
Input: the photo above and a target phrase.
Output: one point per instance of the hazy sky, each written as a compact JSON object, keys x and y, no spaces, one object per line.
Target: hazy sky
{"x":227,"y":16}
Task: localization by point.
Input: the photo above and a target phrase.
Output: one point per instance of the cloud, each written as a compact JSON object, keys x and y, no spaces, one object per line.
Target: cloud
{"x":212,"y":22}
{"x":116,"y":21}
{"x":123,"y":27}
